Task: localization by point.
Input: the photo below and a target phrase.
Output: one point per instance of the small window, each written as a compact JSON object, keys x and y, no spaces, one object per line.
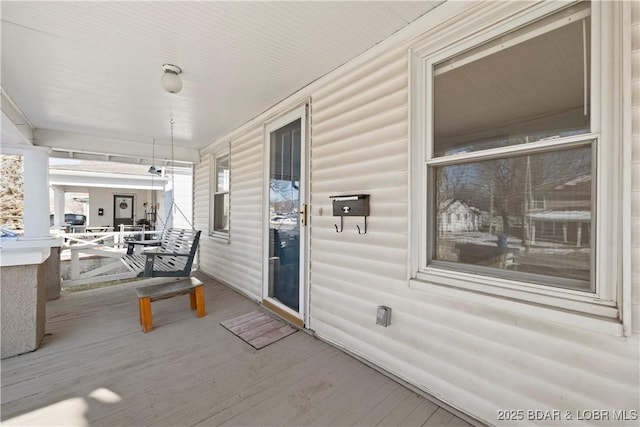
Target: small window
{"x":220,"y":196}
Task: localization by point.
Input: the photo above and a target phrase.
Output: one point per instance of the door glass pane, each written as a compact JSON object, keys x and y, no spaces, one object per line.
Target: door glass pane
{"x":520,"y":216}
{"x":284,"y":204}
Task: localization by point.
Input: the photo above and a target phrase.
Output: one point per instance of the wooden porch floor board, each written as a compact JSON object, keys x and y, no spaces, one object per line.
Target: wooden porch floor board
{"x":400,"y":414}
{"x":439,"y":418}
{"x":271,"y":388}
{"x":348,"y":407}
{"x":390,"y":400}
{"x":96,"y":367}
{"x":315,"y":403}
{"x":421,"y":414}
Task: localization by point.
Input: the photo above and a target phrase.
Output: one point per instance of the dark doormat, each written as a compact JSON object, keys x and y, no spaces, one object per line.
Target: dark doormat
{"x":258,"y":329}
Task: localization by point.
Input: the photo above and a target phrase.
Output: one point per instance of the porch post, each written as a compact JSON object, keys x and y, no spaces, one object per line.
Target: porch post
{"x":36,"y":193}
{"x":28,"y":270}
{"x":58,"y":206}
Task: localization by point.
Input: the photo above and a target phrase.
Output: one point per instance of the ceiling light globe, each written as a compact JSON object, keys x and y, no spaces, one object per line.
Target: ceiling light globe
{"x":171,"y":82}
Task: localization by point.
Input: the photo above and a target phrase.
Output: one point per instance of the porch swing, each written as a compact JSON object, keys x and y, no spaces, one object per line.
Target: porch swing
{"x":174,"y":255}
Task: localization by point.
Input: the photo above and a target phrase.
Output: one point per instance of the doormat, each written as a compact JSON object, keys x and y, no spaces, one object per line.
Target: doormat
{"x":258,"y":329}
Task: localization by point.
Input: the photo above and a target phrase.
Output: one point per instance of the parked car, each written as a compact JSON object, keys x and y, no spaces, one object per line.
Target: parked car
{"x":6,"y":233}
{"x":71,"y":219}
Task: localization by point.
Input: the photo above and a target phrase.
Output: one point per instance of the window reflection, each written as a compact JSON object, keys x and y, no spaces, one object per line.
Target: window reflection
{"x":526,"y":214}
{"x":284,"y":202}
{"x":530,"y":91}
{"x":221,"y":195}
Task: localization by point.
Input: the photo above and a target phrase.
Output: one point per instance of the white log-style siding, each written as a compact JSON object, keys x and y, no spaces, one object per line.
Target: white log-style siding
{"x":183,"y":214}
{"x":237,"y":262}
{"x":635,"y":171}
{"x":476,"y":357}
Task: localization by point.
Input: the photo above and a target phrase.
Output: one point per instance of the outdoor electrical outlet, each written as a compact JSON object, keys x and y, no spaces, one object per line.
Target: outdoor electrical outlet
{"x":384,"y":316}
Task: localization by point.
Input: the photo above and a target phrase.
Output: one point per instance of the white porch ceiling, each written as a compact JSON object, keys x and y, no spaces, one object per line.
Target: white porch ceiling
{"x":87,"y":74}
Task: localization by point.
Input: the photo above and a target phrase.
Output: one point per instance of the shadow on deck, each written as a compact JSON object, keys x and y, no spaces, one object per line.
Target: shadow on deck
{"x":96,"y":367}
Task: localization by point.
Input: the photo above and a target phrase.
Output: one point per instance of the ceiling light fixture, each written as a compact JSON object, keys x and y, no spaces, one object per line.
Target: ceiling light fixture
{"x":170,"y":80}
{"x":155,"y":171}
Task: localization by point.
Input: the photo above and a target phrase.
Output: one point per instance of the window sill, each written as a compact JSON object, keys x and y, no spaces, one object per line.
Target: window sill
{"x":599,"y":318}
{"x":220,"y":237}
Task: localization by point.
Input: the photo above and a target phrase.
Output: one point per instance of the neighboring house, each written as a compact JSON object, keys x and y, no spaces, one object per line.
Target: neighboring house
{"x":455,"y":216}
{"x":561,"y":212}
{"x":121,"y":194}
{"x":557,"y":330}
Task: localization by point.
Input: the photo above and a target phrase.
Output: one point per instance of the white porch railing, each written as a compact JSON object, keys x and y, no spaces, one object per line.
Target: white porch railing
{"x":101,"y":247}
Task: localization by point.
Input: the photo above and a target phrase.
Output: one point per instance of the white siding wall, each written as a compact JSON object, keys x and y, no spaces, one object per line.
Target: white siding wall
{"x":476,"y":357}
{"x":359,"y":145}
{"x":183,"y":200}
{"x":201,"y":215}
{"x":238,"y":262}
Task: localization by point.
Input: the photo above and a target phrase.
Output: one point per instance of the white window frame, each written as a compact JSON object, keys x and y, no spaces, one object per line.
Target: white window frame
{"x":223,"y":236}
{"x":610,"y":304}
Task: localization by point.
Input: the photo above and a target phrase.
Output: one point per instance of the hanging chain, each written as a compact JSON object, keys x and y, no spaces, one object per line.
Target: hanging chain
{"x":153,"y":153}
{"x":174,"y":205}
{"x":153,"y":164}
{"x":173,"y":185}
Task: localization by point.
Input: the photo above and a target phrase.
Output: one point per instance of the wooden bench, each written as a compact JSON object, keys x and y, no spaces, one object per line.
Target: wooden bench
{"x":148,"y":294}
{"x":173,"y":258}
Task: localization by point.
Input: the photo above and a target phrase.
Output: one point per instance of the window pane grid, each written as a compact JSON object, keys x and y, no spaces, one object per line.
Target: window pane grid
{"x":516,"y":150}
{"x":221,"y":194}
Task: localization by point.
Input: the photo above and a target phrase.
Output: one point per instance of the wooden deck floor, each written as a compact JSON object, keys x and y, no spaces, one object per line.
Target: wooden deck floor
{"x":95,"y":367}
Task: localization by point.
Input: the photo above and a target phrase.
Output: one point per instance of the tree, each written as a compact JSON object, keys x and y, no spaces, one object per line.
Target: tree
{"x":508,"y":194}
{"x":11,"y":192}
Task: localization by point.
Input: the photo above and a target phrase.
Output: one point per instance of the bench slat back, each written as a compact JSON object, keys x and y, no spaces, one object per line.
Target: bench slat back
{"x":177,"y":240}
{"x":174,"y":241}
{"x":182,"y":241}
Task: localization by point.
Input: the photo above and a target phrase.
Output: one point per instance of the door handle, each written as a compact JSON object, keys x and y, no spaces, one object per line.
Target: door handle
{"x":303,"y":215}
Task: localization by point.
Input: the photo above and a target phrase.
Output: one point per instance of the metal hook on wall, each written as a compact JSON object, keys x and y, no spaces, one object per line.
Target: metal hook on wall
{"x":365,"y":227}
{"x":351,"y":205}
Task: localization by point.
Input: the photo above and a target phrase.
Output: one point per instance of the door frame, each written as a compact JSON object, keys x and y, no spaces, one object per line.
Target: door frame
{"x":300,"y":318}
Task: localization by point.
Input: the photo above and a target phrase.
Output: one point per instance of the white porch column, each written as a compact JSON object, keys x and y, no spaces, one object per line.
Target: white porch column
{"x":36,"y":193}
{"x":58,"y":206}
{"x":28,"y":270}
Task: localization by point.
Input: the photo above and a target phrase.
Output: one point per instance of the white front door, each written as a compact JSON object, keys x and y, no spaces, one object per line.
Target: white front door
{"x":285,"y":231}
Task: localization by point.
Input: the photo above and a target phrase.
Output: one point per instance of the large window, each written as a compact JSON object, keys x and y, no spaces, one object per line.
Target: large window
{"x":509,"y":169}
{"x":220,"y":194}
{"x":511,"y":207}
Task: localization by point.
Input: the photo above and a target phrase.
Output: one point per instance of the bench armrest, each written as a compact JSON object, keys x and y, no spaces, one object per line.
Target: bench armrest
{"x":144,"y":243}
{"x":150,"y":260}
